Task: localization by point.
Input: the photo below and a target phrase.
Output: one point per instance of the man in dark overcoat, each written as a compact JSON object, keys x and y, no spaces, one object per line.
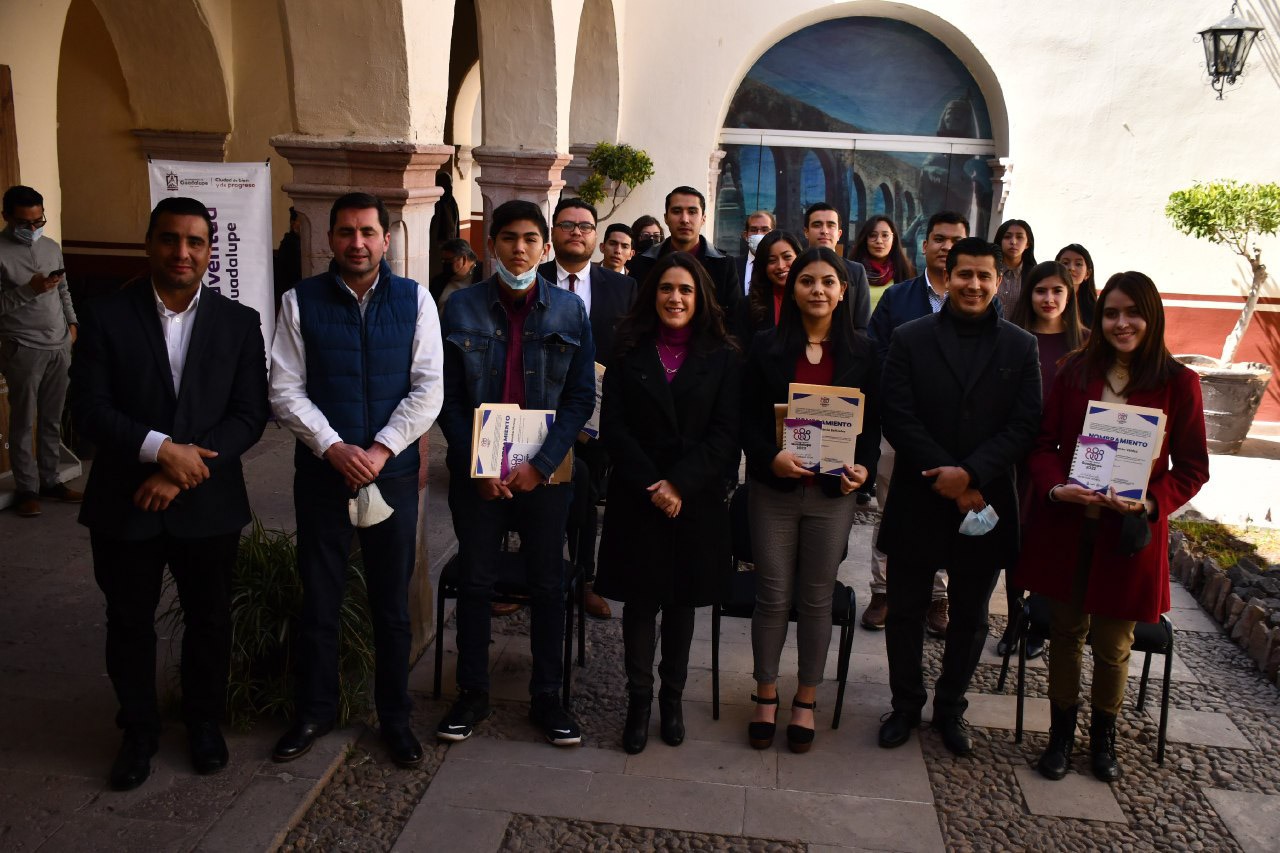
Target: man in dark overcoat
{"x":961,"y":407}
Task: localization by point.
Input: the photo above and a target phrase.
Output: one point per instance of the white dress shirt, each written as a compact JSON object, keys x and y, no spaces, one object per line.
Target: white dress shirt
{"x":582,"y":287}
{"x":746,"y":275}
{"x":411,"y":418}
{"x":176,"y":327}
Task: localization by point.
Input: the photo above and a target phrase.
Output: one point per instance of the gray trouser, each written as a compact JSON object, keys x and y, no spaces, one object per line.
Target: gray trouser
{"x":879,"y":561}
{"x":797,"y":539}
{"x":37,"y":381}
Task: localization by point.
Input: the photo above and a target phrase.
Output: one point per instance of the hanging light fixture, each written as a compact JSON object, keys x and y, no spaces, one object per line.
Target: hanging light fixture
{"x":1226,"y":47}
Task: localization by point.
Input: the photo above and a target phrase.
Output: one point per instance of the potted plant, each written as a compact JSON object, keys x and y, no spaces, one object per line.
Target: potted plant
{"x":615,"y":171}
{"x":1234,"y":215}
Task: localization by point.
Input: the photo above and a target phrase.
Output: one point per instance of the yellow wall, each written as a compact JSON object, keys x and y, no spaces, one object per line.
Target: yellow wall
{"x":104,"y":177}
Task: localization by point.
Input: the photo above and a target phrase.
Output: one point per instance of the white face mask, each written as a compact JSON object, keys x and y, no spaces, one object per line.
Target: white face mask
{"x":27,"y":235}
{"x":518,"y":283}
{"x":753,"y":242}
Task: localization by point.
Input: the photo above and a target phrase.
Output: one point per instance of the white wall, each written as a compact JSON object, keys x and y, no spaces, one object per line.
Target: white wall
{"x":1108,"y":111}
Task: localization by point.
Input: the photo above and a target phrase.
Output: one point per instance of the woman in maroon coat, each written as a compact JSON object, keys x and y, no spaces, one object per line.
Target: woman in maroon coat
{"x":1119,"y":575}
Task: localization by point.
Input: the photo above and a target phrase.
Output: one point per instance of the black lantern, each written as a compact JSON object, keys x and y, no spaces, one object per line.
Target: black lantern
{"x":1226,"y":47}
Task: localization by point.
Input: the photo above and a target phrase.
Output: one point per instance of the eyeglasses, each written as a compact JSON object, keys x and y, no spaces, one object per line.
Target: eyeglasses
{"x":570,"y":227}
{"x":29,"y":223}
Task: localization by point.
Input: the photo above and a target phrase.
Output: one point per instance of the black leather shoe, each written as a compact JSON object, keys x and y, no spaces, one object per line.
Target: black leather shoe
{"x":955,"y":734}
{"x":896,"y":728}
{"x":1056,"y":759}
{"x":133,"y":763}
{"x":760,"y":735}
{"x":800,"y":738}
{"x":405,"y":750}
{"x":298,"y":741}
{"x":671,"y":720}
{"x":635,"y":732}
{"x":208,"y":749}
{"x":1102,"y":746}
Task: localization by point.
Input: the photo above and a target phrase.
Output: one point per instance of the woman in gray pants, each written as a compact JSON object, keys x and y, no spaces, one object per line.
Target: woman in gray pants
{"x":800,"y":520}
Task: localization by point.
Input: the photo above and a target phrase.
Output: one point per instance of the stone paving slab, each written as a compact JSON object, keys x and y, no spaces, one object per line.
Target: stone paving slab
{"x":512,"y":752}
{"x":522,"y":788}
{"x":842,"y":820}
{"x":110,"y":834}
{"x":1000,"y":712}
{"x":1076,"y":796}
{"x":849,"y":761}
{"x":35,"y":805}
{"x":1193,"y":619}
{"x":667,"y":803}
{"x":452,"y":829}
{"x":706,"y":761}
{"x":1206,"y":728}
{"x":1254,"y":819}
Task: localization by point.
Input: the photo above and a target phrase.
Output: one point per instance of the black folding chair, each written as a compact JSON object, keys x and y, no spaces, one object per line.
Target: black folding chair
{"x":741,"y":603}
{"x":1149,"y":638}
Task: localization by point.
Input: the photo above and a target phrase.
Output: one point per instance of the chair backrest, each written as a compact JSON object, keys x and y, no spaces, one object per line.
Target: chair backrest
{"x":740,"y":525}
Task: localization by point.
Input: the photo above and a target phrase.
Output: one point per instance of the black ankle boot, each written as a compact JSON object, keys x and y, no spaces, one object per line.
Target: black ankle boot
{"x":670,"y":719}
{"x":635,"y":732}
{"x":1056,"y":760}
{"x":1102,"y":746}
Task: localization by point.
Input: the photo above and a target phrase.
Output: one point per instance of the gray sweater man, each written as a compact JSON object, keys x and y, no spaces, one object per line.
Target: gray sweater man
{"x":37,"y":328}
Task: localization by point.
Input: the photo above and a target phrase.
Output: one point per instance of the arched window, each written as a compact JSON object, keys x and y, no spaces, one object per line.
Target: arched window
{"x":894,"y":109}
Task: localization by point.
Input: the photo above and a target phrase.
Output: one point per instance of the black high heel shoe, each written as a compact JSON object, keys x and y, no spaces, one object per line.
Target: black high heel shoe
{"x":761,"y":735}
{"x":799,"y":738}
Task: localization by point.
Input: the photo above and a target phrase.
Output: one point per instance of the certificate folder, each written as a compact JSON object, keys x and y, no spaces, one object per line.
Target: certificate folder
{"x":840,"y":412}
{"x":1138,"y":432}
{"x":498,"y":429}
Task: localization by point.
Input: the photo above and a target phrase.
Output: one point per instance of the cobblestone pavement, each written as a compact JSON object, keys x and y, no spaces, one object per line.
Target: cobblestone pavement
{"x":1219,"y":788}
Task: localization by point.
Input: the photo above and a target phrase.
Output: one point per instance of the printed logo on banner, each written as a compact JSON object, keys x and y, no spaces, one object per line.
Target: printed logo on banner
{"x":171,"y":182}
{"x":1122,"y":417}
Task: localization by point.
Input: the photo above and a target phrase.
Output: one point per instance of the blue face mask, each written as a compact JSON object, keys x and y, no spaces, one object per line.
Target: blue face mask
{"x":28,"y":235}
{"x":979,"y":523}
{"x":518,"y":283}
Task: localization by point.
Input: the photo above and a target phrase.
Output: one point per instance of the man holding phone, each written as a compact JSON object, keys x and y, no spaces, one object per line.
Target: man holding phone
{"x":37,"y":328}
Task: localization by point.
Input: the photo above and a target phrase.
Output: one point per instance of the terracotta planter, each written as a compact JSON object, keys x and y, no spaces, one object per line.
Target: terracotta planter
{"x":1232,"y":394}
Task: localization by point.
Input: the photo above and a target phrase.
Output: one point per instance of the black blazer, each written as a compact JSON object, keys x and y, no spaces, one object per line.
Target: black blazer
{"x":612,"y":295}
{"x":764,"y":384}
{"x":121,"y":388}
{"x":685,"y":432}
{"x":936,"y":414}
{"x":719,"y":266}
{"x":859,"y":293}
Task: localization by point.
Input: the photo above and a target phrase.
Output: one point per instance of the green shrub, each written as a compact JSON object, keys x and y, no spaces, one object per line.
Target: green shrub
{"x":266,"y":600}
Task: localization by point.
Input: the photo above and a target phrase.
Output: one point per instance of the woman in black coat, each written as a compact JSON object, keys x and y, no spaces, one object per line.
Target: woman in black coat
{"x":669,"y":419}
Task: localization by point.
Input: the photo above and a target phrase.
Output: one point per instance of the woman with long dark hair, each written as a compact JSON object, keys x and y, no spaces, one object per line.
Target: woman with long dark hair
{"x":800,"y":521}
{"x":1017,"y":257}
{"x":879,"y":249}
{"x":1116,"y":573}
{"x":1079,"y":262}
{"x":669,"y":418}
{"x":759,"y":311}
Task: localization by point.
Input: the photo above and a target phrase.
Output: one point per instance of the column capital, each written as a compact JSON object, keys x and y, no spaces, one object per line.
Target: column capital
{"x":190,"y":145}
{"x":402,"y":174}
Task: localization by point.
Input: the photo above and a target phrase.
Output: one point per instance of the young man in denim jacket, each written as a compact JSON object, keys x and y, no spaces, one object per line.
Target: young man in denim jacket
{"x":514,"y":338}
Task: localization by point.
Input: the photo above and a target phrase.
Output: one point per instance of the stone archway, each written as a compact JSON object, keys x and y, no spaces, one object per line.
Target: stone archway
{"x":593,"y":108}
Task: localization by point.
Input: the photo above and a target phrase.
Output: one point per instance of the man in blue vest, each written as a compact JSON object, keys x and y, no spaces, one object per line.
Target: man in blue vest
{"x":356,"y":376}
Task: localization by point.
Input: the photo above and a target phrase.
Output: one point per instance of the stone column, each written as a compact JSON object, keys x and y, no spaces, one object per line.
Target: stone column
{"x":577,"y":171}
{"x":507,"y":174}
{"x":402,"y":174}
{"x":1001,"y":179}
{"x":189,"y":145}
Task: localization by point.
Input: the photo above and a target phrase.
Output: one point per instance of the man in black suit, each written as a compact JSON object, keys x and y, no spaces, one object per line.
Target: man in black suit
{"x":822,"y":228}
{"x":169,"y":380}
{"x":686,"y":211}
{"x":758,"y":224}
{"x":961,"y":407}
{"x":608,"y":296}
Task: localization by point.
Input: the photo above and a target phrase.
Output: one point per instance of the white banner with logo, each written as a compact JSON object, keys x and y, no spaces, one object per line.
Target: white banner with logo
{"x":238,"y":196}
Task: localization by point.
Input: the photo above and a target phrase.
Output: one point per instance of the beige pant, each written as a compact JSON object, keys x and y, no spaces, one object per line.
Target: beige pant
{"x":879,"y":562}
{"x":38,"y":382}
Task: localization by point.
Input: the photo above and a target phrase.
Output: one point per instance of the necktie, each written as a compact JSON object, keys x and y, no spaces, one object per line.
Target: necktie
{"x":573,"y":283}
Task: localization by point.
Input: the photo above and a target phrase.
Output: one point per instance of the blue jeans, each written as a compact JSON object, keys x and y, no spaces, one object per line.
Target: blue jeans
{"x":539,"y":517}
{"x":324,"y":545}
